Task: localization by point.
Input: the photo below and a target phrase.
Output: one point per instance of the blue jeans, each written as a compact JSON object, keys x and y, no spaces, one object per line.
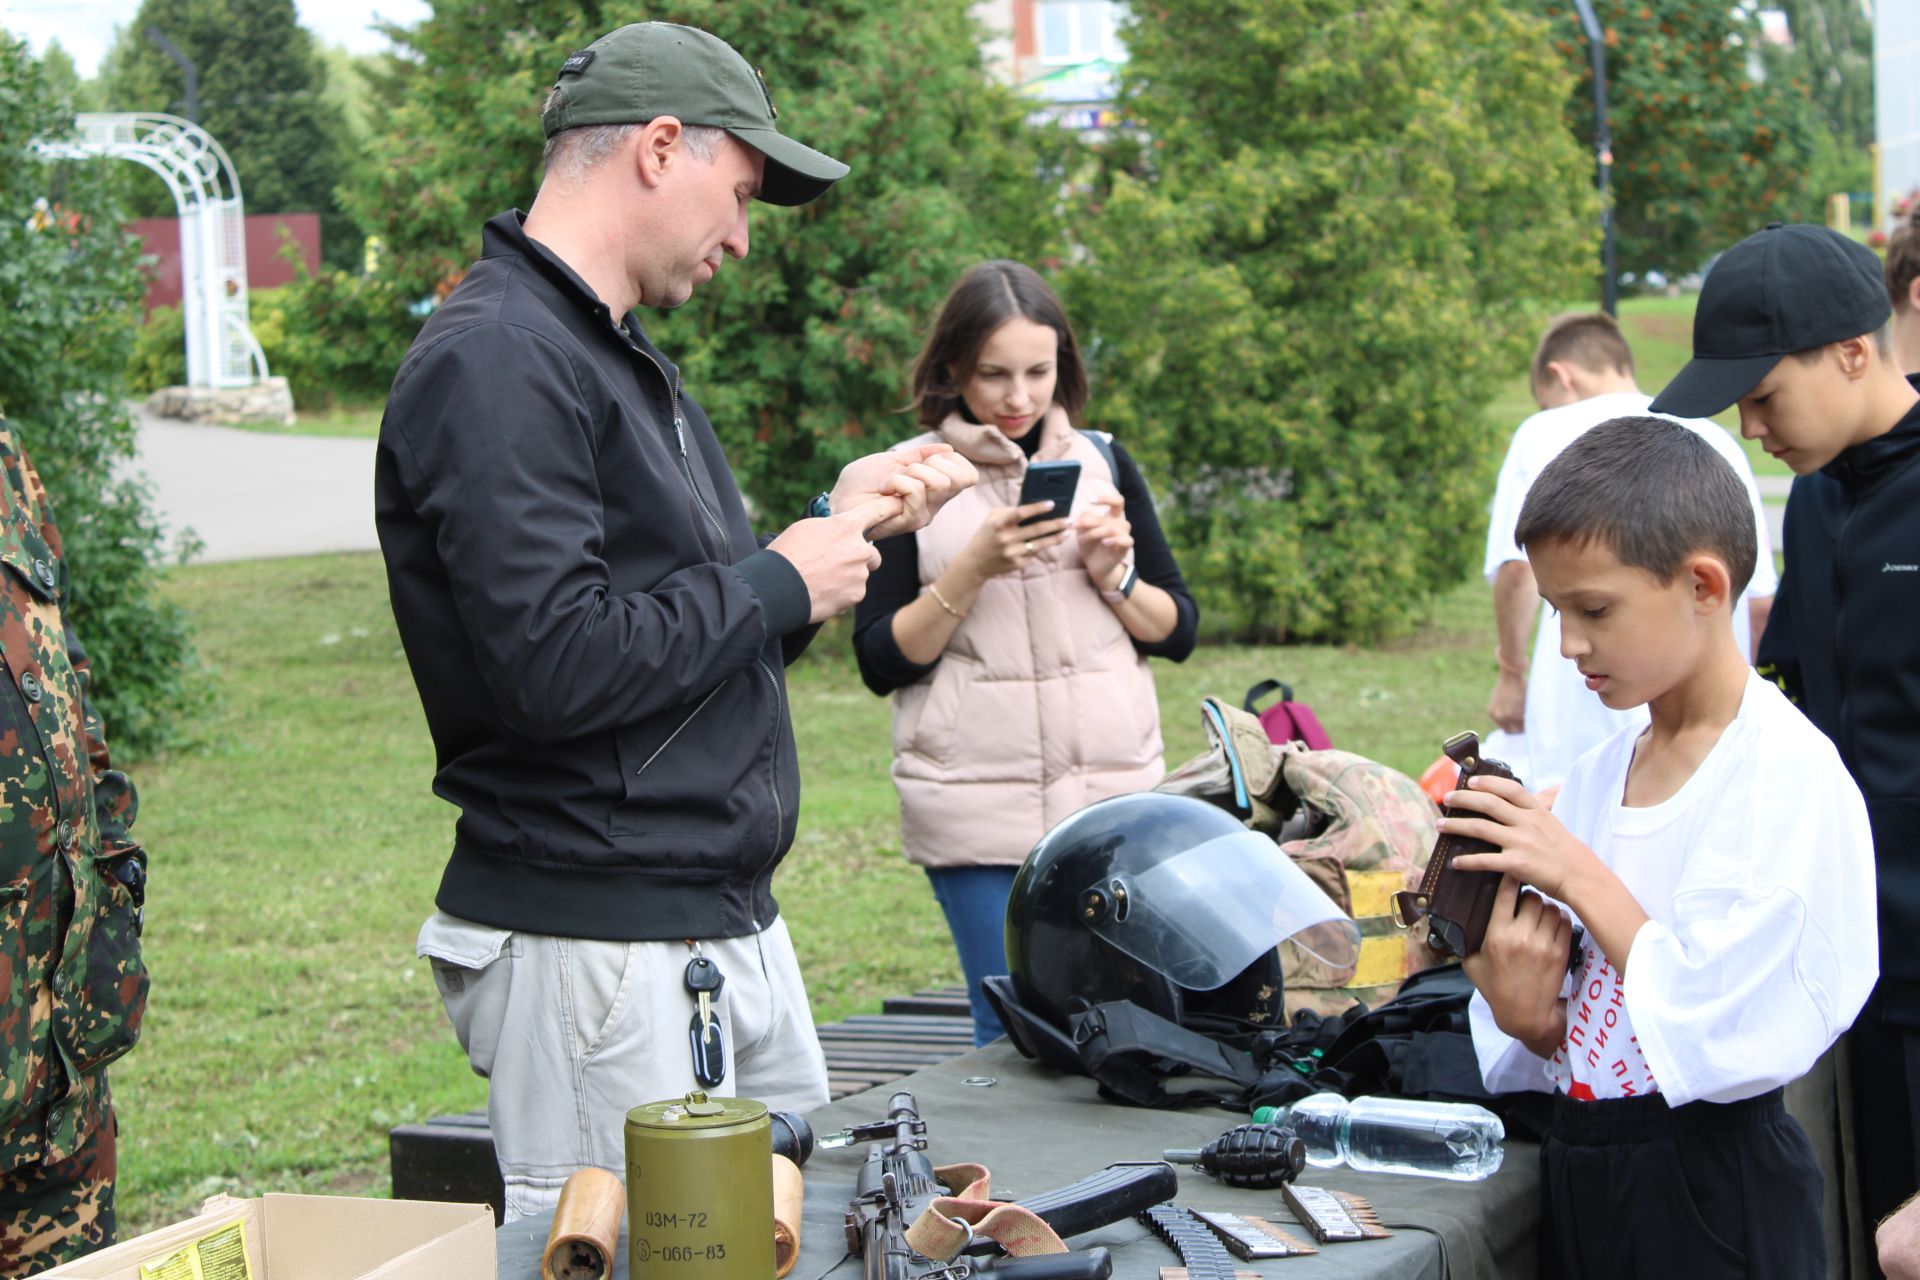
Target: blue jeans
{"x":975,"y":902}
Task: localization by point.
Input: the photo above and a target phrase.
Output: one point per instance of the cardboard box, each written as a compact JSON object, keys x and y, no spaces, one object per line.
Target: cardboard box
{"x":323,"y":1238}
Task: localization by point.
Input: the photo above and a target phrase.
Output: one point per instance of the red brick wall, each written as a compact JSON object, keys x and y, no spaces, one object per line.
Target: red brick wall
{"x":160,"y":237}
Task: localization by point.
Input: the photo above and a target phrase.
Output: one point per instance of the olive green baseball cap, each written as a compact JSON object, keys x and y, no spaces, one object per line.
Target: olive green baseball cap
{"x":651,"y":69}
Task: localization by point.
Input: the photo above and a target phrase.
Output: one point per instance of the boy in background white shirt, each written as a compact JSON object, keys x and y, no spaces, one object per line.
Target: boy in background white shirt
{"x":1582,"y":375}
{"x":1721,"y":863}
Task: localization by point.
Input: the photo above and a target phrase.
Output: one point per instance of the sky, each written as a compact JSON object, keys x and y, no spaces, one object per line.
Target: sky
{"x":85,"y":27}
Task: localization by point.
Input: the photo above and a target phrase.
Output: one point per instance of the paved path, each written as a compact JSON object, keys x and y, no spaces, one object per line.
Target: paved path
{"x":249,"y":495}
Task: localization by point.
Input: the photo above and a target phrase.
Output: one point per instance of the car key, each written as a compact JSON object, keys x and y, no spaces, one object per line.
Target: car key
{"x":704,"y":981}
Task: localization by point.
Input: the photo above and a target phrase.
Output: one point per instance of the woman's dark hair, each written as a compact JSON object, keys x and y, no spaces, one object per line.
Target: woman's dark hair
{"x":985,"y":298}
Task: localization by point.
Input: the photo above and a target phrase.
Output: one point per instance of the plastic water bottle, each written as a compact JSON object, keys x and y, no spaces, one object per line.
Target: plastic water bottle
{"x":1456,"y":1140}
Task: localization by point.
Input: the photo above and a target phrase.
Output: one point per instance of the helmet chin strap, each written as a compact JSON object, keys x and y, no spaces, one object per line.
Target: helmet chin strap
{"x":1128,"y":1050}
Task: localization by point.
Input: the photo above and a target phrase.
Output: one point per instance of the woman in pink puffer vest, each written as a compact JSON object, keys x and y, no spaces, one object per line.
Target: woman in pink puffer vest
{"x":1016,"y":656}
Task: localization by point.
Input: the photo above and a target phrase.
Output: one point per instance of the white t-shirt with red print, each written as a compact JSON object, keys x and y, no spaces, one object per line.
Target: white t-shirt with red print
{"x":1761,"y":943}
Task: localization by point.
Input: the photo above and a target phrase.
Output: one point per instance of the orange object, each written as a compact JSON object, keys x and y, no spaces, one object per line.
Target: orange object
{"x":586,"y":1226}
{"x":788,"y":1195}
{"x":1442,"y":776}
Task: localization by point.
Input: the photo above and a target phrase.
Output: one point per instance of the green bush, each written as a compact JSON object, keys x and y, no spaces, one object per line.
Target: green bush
{"x":801,"y":353}
{"x":334,"y":337}
{"x":1302,"y":292}
{"x":157,"y":356}
{"x":1306,"y":286}
{"x":69,"y":299}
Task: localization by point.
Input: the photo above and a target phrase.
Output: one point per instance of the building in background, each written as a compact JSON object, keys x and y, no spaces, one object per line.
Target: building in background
{"x":268,"y":236}
{"x":1896,"y":103}
{"x":1063,"y":54}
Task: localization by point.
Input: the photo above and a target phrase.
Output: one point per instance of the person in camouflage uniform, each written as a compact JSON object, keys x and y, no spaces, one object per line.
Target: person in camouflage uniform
{"x":72,"y":885}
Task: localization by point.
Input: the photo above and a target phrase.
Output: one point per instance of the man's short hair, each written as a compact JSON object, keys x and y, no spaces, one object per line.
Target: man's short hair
{"x":572,"y":152}
{"x":1654,"y":492}
{"x":1589,"y":339}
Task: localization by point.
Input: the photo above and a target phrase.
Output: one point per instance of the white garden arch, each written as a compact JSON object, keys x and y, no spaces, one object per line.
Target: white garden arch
{"x":221,"y":348}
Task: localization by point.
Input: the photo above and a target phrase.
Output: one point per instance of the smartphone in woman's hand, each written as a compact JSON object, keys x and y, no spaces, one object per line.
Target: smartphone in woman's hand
{"x":1050,"y":480}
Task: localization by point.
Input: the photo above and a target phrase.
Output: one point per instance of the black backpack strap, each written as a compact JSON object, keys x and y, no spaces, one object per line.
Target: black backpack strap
{"x":1264,"y":688}
{"x":1102,"y":441}
{"x":1130,"y":1051}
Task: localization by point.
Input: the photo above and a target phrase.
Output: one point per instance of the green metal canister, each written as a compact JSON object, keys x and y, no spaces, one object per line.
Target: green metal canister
{"x":700,"y":1189}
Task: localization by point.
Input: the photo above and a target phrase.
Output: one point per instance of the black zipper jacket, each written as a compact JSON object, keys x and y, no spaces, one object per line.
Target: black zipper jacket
{"x":597,"y":637}
{"x":1844,"y":642}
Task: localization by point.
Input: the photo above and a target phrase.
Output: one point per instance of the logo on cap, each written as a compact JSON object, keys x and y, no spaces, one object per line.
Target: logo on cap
{"x":765,"y":92}
{"x":575,"y":63}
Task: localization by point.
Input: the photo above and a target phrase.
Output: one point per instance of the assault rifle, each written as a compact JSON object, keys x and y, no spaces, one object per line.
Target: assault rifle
{"x":896,"y":1185}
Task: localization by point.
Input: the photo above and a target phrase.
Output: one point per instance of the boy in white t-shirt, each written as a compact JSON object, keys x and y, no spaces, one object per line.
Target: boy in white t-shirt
{"x":1582,"y":375}
{"x":1720,"y":862}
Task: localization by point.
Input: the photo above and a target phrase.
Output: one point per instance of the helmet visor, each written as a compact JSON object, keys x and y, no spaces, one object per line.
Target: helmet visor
{"x":1203,"y":915}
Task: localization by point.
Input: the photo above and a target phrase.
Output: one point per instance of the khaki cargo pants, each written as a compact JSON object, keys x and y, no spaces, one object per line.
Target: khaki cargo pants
{"x":572,"y":1033}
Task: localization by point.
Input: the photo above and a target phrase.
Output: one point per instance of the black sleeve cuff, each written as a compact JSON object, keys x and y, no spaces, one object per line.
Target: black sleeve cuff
{"x":782,"y":591}
{"x":883,"y":667}
{"x":1179,"y":642}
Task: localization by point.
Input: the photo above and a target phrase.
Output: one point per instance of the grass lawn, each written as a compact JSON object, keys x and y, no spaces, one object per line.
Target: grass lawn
{"x":296,"y":852}
{"x":360,"y":418}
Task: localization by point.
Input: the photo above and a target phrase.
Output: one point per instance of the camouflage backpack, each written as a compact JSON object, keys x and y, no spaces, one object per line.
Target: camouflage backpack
{"x":1366,"y":834}
{"x":1360,"y":830}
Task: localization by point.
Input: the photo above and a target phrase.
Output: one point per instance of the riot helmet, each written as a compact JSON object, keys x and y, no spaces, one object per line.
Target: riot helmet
{"x":1163,"y":901}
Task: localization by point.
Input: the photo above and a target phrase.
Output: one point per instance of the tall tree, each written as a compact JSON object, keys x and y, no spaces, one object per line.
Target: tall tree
{"x":801,"y":356}
{"x":1704,"y":150}
{"x":1833,"y":51}
{"x":1304,"y":289}
{"x":262,"y":95}
{"x":62,"y":77}
{"x":70,"y":286}
{"x":1829,"y":59}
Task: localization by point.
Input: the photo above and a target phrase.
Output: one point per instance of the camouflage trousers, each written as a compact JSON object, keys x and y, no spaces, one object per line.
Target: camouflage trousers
{"x":54,"y":1213}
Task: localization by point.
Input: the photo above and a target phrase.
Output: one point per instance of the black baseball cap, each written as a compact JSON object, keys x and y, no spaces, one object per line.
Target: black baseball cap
{"x":650,"y":69}
{"x":1785,"y":289}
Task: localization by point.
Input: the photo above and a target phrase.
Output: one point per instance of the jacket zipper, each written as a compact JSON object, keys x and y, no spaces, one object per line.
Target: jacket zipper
{"x":726,"y":545}
{"x":1839,"y":608}
{"x":680,"y":438}
{"x":648,"y":762}
{"x":773,"y":764}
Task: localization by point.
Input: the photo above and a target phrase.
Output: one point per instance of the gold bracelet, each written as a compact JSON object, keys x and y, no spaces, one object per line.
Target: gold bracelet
{"x":942,"y":601}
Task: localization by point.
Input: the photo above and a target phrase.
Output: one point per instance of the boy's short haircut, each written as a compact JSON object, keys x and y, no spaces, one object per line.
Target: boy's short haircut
{"x":1589,"y":339}
{"x":1652,"y":491}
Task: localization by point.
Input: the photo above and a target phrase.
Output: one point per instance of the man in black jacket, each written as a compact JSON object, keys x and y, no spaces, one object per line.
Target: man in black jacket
{"x":597,"y":636}
{"x":1791,"y":327}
